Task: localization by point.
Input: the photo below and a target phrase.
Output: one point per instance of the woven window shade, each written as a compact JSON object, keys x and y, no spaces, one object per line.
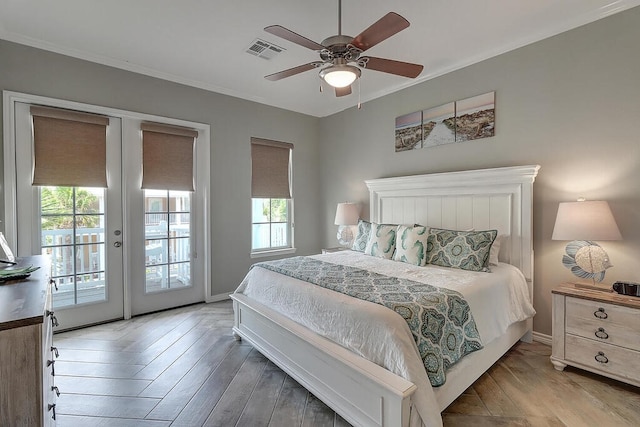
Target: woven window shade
{"x":167,"y":157}
{"x":270,"y":169}
{"x":69,"y":148}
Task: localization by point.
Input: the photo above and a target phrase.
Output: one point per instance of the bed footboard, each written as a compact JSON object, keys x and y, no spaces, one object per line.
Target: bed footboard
{"x":362,"y":392}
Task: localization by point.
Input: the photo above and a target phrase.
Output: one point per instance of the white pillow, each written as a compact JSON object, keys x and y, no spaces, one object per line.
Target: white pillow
{"x":495,"y":249}
{"x":411,"y":244}
{"x":382,"y":240}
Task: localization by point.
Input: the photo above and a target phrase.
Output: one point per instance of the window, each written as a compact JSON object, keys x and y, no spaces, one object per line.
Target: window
{"x":271,"y":203}
{"x":167,"y":239}
{"x":271,"y":228}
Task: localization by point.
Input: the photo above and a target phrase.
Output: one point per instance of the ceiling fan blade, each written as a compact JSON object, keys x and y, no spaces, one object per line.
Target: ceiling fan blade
{"x":343,"y":91}
{"x":280,"y":31}
{"x":293,"y":71}
{"x":385,"y":27}
{"x":390,"y":66}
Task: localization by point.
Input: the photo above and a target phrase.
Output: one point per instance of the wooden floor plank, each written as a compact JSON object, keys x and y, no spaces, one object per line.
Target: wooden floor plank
{"x":105,"y":406}
{"x":80,"y":421}
{"x":317,"y":414}
{"x":97,"y":370}
{"x":289,"y":409}
{"x":101,"y":386}
{"x":221,"y":373}
{"x":261,"y":405}
{"x":211,"y":346}
{"x":232,"y":402}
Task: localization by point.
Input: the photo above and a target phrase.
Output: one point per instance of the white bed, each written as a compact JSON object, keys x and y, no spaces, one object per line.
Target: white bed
{"x":359,"y":390}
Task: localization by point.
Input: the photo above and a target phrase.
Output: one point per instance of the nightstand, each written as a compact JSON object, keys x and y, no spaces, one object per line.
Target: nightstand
{"x":597,"y":331}
{"x":336,"y":249}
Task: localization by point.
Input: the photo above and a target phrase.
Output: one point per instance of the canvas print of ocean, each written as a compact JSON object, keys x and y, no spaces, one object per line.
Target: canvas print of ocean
{"x":475,"y":117}
{"x":438,"y":125}
{"x":409,"y":131}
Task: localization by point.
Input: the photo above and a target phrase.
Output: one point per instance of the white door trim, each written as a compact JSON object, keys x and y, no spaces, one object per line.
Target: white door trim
{"x":202,"y":206}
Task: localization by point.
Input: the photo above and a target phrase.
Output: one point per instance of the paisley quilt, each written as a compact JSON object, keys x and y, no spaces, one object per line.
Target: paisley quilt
{"x":440,"y":319}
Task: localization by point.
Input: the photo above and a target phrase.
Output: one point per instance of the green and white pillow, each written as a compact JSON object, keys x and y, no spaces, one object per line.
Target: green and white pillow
{"x":467,"y":250}
{"x":411,"y":244}
{"x":362,"y":236}
{"x":382,"y":240}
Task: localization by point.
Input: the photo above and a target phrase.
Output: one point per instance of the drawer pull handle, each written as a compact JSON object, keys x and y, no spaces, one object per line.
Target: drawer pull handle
{"x":55,"y":390}
{"x":54,"y":283}
{"x":52,"y":407}
{"x":52,"y":363}
{"x":54,"y":319}
{"x":54,"y":350}
{"x":600,"y":313}
{"x":601,"y":358}
{"x":602,"y":334}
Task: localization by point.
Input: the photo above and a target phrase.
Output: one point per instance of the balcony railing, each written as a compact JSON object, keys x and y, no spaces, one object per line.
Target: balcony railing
{"x":80,"y":270}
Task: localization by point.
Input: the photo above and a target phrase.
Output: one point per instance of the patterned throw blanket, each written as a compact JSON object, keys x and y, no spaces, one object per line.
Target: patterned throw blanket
{"x":439,"y":319}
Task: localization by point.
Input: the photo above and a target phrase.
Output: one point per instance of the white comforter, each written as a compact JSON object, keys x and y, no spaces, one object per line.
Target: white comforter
{"x":496,"y":299}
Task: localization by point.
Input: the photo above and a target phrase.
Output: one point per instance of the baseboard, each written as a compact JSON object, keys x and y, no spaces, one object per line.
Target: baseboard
{"x":542,"y":338}
{"x":217,"y":298}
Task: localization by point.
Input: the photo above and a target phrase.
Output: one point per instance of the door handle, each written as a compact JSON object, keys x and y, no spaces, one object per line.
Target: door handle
{"x":117,"y":244}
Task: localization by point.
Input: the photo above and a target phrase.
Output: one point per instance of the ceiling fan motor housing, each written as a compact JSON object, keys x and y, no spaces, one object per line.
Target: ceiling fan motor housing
{"x":339,"y":47}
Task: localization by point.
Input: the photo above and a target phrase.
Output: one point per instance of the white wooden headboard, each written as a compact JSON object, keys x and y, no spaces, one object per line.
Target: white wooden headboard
{"x":485,"y":199}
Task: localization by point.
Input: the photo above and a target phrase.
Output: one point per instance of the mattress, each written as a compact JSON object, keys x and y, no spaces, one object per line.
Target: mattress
{"x":497,"y":299}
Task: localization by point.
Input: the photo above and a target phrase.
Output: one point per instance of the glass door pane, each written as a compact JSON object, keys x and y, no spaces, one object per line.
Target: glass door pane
{"x":73,"y":235}
{"x":167,"y":240}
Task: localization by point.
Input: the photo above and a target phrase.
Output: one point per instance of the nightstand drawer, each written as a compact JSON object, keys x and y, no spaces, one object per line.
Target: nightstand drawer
{"x":603,"y":322}
{"x":603,"y":358}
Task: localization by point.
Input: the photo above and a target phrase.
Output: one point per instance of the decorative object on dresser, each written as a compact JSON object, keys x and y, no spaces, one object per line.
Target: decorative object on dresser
{"x":27,"y":355}
{"x":347,"y":215}
{"x":584,"y":221}
{"x":598,"y":331}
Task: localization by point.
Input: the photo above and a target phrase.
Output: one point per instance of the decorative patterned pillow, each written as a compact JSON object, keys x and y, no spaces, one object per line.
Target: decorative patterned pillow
{"x":411,"y":244}
{"x":362,"y":236}
{"x":467,"y":250}
{"x":382,"y":240}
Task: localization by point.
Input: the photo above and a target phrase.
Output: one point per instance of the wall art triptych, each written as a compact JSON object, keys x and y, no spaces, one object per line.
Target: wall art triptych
{"x":458,"y":121}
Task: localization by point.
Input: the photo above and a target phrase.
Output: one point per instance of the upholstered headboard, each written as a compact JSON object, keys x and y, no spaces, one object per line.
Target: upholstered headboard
{"x":484,"y":199}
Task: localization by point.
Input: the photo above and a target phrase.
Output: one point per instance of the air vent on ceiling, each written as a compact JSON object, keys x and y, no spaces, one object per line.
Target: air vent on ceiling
{"x":264,"y":49}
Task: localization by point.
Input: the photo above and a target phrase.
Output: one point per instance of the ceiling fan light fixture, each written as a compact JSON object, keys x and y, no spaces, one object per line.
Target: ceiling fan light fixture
{"x":340,"y":75}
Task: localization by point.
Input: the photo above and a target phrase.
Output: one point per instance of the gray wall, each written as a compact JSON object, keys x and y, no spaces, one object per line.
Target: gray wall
{"x":233,"y":122}
{"x":570,"y":103}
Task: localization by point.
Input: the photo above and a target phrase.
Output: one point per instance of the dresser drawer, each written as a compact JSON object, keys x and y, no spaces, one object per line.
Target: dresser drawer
{"x":603,"y":358}
{"x":603,"y":322}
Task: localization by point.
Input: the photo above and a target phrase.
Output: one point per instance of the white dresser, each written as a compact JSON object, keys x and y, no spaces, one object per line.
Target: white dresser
{"x":27,"y":354}
{"x":598,"y":331}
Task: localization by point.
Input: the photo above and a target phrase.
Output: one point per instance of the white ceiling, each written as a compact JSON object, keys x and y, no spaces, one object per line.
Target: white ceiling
{"x":202,"y":43}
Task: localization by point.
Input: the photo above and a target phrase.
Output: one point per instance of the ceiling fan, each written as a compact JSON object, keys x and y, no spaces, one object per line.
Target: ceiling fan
{"x":340,"y":54}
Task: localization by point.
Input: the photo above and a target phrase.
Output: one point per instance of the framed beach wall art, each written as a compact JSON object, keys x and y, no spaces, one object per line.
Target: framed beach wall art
{"x":438,"y":125}
{"x":409,"y":131}
{"x":475,"y":117}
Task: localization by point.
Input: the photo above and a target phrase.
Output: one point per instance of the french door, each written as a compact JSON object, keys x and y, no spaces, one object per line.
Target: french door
{"x":79,"y":228}
{"x":117,"y":251}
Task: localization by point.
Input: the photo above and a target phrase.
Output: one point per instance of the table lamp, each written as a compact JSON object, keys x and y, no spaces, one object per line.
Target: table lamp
{"x":583,"y":222}
{"x":346,"y":215}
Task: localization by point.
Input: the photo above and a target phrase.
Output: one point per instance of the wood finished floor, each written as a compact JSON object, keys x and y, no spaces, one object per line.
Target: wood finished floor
{"x":182,"y":367}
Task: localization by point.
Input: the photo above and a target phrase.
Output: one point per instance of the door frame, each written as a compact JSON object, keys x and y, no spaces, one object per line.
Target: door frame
{"x":201,"y":207}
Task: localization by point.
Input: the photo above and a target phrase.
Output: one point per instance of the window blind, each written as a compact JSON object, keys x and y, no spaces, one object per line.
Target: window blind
{"x":167,"y":157}
{"x":270,"y":169}
{"x":69,"y":148}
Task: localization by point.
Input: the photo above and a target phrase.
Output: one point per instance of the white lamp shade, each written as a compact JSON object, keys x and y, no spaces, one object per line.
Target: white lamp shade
{"x":347,"y":214}
{"x":587,"y":220}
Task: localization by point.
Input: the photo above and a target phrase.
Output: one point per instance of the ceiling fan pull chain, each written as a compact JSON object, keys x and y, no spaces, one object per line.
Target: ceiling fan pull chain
{"x":359,"y":86}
